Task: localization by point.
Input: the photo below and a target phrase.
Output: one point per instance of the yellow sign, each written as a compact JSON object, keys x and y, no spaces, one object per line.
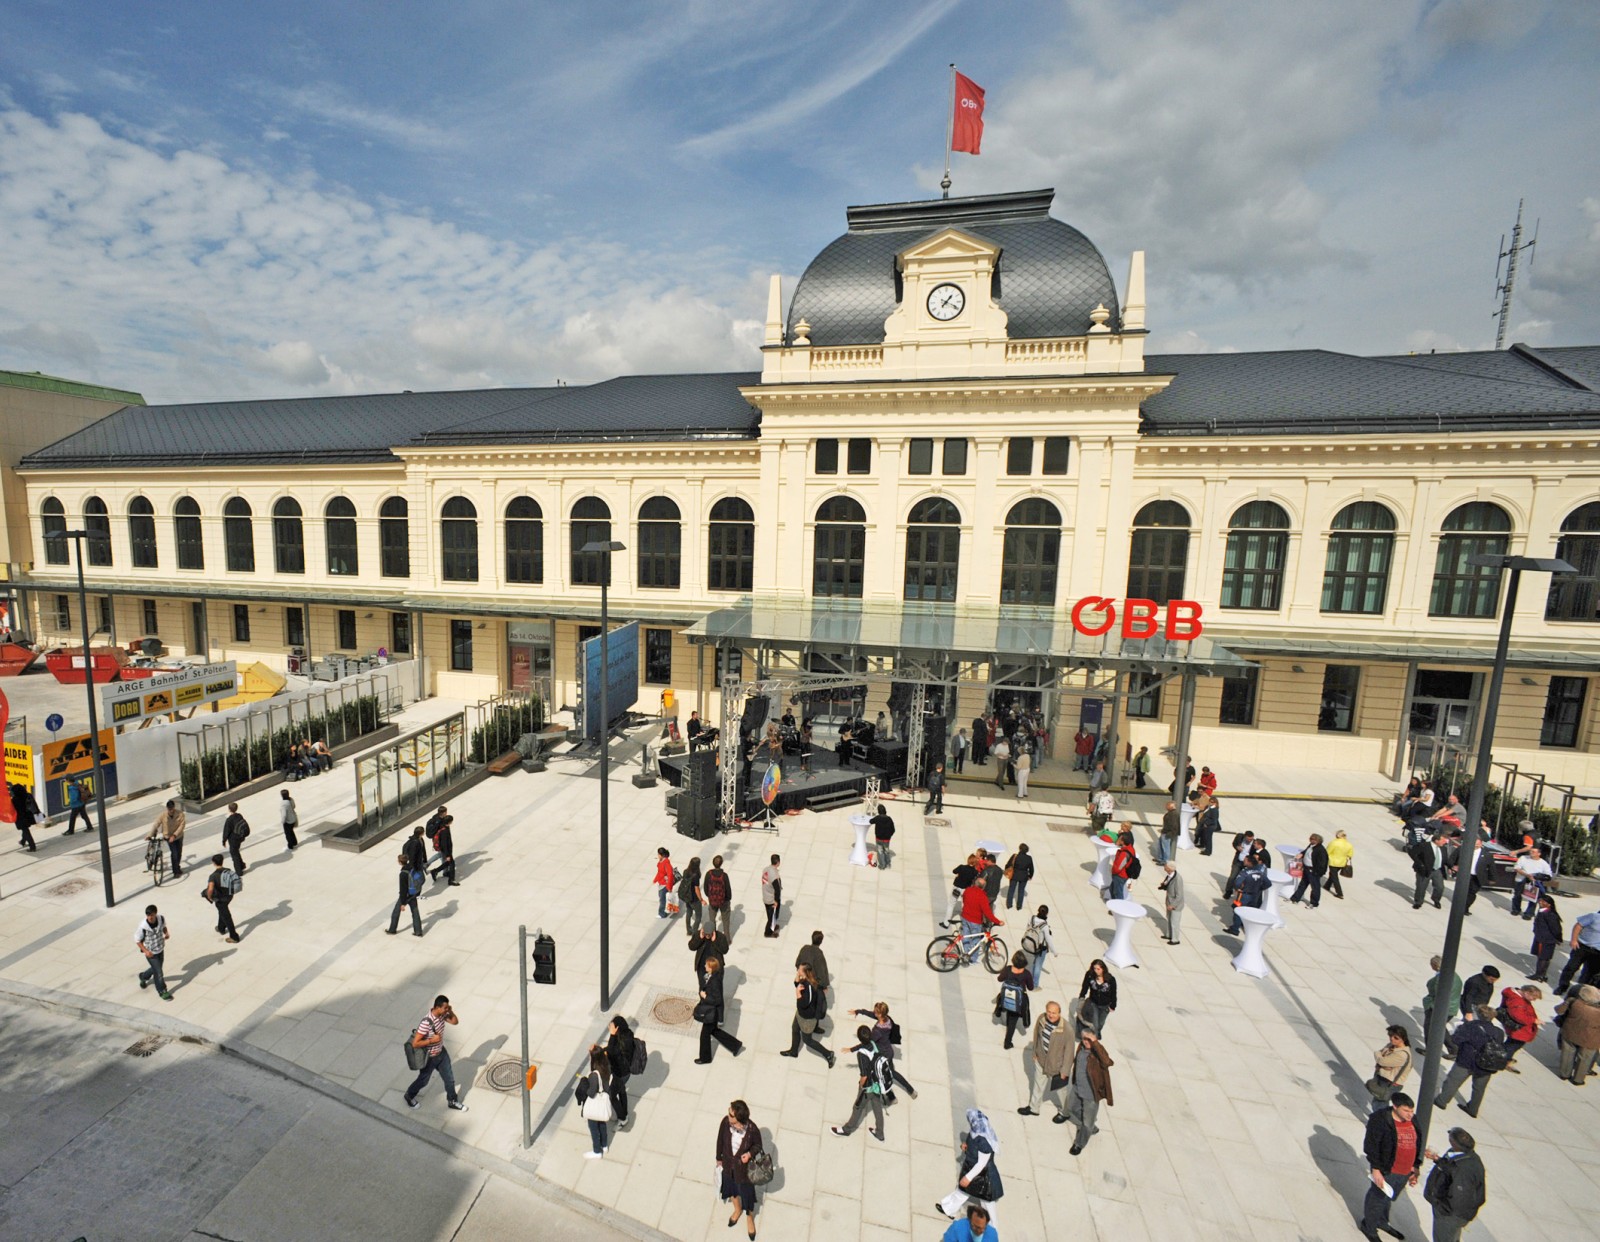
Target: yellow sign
{"x":185,"y":695}
{"x":128,"y":709}
{"x":160,"y":701}
{"x":72,"y":756}
{"x":19,"y":765}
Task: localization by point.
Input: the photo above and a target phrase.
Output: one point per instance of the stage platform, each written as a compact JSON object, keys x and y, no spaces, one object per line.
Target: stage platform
{"x":827,"y":787}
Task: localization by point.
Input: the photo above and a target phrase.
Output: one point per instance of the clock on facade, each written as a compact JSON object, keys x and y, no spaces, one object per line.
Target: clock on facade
{"x":946,"y":301}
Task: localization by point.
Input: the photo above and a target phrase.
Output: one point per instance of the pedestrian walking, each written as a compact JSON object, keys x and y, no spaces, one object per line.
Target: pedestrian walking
{"x":1049,"y":1052}
{"x":772,"y":895}
{"x":1546,"y":937}
{"x":1038,"y":942}
{"x":1520,"y":1019}
{"x":169,"y":827}
{"x":219,"y":891}
{"x":1002,"y":761}
{"x":886,"y":1035}
{"x":1125,"y":867}
{"x":234,"y":831}
{"x":1427,"y":862}
{"x":410,"y":889}
{"x":811,"y":955}
{"x":1392,"y":1063}
{"x":1583,"y":960}
{"x":441,"y":829}
{"x":1530,"y":876}
{"x":1456,"y":1187}
{"x":1089,"y":1084}
{"x":1431,"y":992}
{"x":664,"y":881}
{"x":873,"y":1081}
{"x":430,"y":1035}
{"x":972,"y":1227}
{"x":718,"y":892}
{"x":689,"y":898}
{"x":594,"y":1103}
{"x":1394,"y":1158}
{"x":1340,"y":852}
{"x":619,"y":1049}
{"x":415,"y":848}
{"x":151,"y":940}
{"x":810,"y":1007}
{"x":962,"y":878}
{"x":1011,"y":1001}
{"x":738,"y":1146}
{"x":1023,"y":767}
{"x":1019,"y":870}
{"x":1172,"y":886}
{"x":1171,"y":828}
{"x":991,"y":875}
{"x":1099,"y":996}
{"x":710,"y":1010}
{"x":958,"y":751}
{"x":980,"y":740}
{"x":1141,"y":768}
{"x":708,"y":942}
{"x":1313,"y":866}
{"x":935,"y":805}
{"x":1479,"y":990}
{"x":27,"y":815}
{"x":980,"y":1171}
{"x":1579,"y":1043}
{"x":78,"y":805}
{"x":1480,"y":1051}
{"x":882,"y":836}
{"x":290,"y":818}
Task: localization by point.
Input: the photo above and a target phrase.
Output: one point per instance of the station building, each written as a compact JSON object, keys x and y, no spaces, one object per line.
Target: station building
{"x":955,"y":419}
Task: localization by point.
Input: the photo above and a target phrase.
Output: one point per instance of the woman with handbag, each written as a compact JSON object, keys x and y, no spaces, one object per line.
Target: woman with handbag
{"x":708,"y":1013}
{"x":980,"y":1174}
{"x":810,"y":1007}
{"x":1392,"y":1065}
{"x":594,"y":1101}
{"x":1340,"y":852}
{"x":742,"y":1163}
{"x":1099,"y":996}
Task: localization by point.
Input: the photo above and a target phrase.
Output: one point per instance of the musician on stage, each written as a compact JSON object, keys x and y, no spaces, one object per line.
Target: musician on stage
{"x":805,"y":748}
{"x":844,"y":748}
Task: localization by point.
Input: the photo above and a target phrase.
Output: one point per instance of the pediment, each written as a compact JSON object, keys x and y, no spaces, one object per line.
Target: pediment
{"x":948,"y":244}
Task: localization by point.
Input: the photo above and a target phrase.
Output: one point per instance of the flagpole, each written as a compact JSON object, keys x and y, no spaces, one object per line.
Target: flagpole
{"x":949,"y":131}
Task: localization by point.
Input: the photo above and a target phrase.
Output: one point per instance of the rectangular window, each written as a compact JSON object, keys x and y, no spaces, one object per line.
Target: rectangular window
{"x":104,"y":609}
{"x":1338,"y":711}
{"x":1144,"y":696}
{"x":64,"y":613}
{"x":732,"y":666}
{"x":1057,"y":452}
{"x":1238,"y":701}
{"x":241,"y":623}
{"x":827,"y":457}
{"x":461,"y":646}
{"x":1019,"y":455}
{"x":955,"y":456}
{"x":294,"y":627}
{"x":860,"y":461}
{"x":658,"y":657}
{"x":150,"y":626}
{"x":920,"y":457}
{"x":347,"y":629}
{"x":400,"y":633}
{"x":1563,"y":712}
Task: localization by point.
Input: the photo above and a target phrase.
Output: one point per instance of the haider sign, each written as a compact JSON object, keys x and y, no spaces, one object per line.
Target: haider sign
{"x":1094,"y":615}
{"x":127,"y":701}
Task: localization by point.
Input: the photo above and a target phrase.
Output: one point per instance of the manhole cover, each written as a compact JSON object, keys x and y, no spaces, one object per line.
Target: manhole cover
{"x":146,"y":1046}
{"x":935,"y":821}
{"x":504,"y":1075}
{"x":673,"y":1011}
{"x":68,"y":888}
{"x":1055,"y":825}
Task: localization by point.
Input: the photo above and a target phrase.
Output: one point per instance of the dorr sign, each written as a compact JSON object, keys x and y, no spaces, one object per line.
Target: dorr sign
{"x":1177,"y":621}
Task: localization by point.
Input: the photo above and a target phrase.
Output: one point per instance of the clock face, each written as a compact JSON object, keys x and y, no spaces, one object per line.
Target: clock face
{"x":946,"y":302}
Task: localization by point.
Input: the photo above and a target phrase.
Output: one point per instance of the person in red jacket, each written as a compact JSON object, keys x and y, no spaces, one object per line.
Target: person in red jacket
{"x":1208,"y":780}
{"x":1126,"y":857}
{"x":1520,"y":1019}
{"x":977,"y":912}
{"x":666,"y":878}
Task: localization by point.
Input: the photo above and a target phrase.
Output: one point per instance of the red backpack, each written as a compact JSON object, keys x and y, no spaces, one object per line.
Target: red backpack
{"x":716,"y":888}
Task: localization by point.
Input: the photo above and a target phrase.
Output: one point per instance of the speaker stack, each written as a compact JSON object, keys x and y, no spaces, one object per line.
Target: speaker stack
{"x":697,"y":803}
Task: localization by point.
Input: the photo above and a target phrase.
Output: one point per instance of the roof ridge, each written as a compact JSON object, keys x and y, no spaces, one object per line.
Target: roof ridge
{"x":1540,"y":361}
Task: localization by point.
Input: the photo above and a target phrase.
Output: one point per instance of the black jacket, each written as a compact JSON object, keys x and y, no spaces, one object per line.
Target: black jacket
{"x":1316,"y":860}
{"x":1547,"y":927}
{"x":1101,"y":994}
{"x":716,"y":945}
{"x":416,"y":853}
{"x":1457,"y":1185}
{"x":1476,"y":991}
{"x":964,"y":876}
{"x":808,"y":1001}
{"x":1022,"y":866}
{"x":711,"y":985}
{"x":1470,"y":1038}
{"x":1382,"y":1142}
{"x":1422,"y":856}
{"x":619,"y":1054}
{"x":234,"y":829}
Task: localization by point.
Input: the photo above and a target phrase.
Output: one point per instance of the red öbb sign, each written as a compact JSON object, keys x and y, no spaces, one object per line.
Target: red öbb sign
{"x":1177,"y":621}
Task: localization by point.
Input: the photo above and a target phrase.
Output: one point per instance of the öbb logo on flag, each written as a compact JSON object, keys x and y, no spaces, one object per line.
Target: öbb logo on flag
{"x":966,"y":129}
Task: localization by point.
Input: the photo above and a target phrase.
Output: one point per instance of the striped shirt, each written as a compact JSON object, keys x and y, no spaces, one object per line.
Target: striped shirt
{"x":429,"y":1028}
{"x":152,"y":938}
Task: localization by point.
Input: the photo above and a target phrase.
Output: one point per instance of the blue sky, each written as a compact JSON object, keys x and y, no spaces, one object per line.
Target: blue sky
{"x":203,"y":201}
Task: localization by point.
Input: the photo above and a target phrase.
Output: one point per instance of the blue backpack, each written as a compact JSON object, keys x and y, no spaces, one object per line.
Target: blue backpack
{"x":414,"y":884}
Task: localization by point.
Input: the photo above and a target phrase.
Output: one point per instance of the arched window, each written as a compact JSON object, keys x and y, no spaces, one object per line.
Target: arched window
{"x":1576,"y":597}
{"x":838,"y":567}
{"x":186,"y":534}
{"x":53,"y":521}
{"x":1460,"y":588}
{"x":1360,"y":549}
{"x":591,"y":523}
{"x":339,"y":533}
{"x":1159,"y":553}
{"x":732,"y":546}
{"x":238,"y":537}
{"x":524,"y":540}
{"x":1032,"y":552}
{"x":142,"y":532}
{"x":394,"y":538}
{"x":933,"y":551}
{"x":97,"y":521}
{"x":1258,"y":549}
{"x":288,"y":537}
{"x":660,"y":543}
{"x":458,"y":540}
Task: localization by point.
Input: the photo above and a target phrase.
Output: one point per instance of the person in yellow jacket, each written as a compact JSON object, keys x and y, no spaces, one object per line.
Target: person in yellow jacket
{"x":1340,"y":852}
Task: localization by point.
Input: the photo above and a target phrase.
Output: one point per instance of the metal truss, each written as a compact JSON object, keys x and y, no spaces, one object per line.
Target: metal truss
{"x":915,"y":736}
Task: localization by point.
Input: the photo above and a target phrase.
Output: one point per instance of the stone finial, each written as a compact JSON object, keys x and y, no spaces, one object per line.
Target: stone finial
{"x":774,"y":333}
{"x":802,"y":333}
{"x":1098,"y":317}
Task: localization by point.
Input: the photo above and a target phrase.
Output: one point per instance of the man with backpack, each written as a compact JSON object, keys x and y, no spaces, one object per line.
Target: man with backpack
{"x":410,"y":889}
{"x":220,"y":890}
{"x":234,"y":831}
{"x":1125,"y":867}
{"x":1480,"y":1051}
{"x":445,"y":846}
{"x":1249,"y":890}
{"x":876,"y":1080}
{"x":719,"y":898}
{"x":77,"y":805}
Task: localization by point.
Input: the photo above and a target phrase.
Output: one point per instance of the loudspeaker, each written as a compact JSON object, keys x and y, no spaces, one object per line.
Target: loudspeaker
{"x":899,"y":696}
{"x":935,"y":742}
{"x":697,"y":818}
{"x":755,"y":714}
{"x":700,"y":775}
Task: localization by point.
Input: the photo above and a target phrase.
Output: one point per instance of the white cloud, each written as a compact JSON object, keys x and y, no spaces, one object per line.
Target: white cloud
{"x":330,"y":105}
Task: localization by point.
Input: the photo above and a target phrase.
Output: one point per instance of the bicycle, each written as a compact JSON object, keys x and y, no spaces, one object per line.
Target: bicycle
{"x":945,"y":953}
{"x":155,"y":860}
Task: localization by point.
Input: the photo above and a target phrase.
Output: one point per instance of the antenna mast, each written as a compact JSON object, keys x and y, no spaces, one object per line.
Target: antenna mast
{"x":1508,"y":256}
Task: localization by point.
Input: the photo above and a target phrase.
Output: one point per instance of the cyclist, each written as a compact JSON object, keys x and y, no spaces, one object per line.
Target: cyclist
{"x":977,"y":912}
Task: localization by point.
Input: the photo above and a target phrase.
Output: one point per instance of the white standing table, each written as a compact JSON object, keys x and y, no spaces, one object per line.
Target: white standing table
{"x":1250,"y":960}
{"x":1280,"y":885}
{"x":1126,"y":914}
{"x":859,"y":855}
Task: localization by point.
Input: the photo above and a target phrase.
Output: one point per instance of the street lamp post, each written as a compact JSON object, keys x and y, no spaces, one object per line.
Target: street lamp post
{"x":1465,"y":869}
{"x":78,"y":537}
{"x":604,"y":547}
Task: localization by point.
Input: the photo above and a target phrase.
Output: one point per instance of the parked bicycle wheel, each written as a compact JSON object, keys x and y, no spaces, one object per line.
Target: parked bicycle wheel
{"x":995,"y":956}
{"x":158,"y":863}
{"x":943,"y":953}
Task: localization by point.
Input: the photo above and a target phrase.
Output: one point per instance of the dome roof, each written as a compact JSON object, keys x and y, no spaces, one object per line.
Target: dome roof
{"x":1048,"y":278}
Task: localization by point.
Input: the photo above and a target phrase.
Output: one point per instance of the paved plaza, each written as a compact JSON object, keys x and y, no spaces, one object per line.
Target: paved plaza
{"x":1239,"y":1102}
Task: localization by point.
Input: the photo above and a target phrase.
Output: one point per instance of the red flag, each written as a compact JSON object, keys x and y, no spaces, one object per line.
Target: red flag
{"x":966,"y":130}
